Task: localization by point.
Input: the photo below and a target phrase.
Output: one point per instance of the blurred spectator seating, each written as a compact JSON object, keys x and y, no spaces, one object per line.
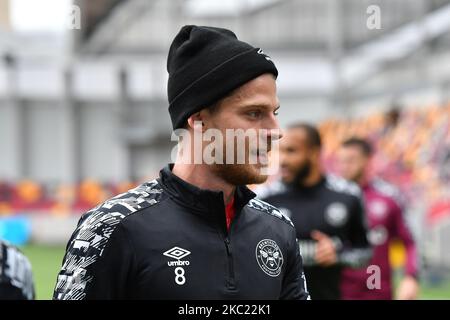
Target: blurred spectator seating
{"x":32,"y":197}
{"x":412,"y":152}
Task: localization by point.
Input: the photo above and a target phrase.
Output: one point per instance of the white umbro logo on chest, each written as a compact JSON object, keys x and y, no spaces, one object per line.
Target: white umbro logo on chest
{"x":177,"y":253}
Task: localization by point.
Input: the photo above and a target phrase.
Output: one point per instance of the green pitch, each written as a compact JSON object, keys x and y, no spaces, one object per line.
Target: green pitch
{"x":46,"y":262}
{"x":441,"y":292}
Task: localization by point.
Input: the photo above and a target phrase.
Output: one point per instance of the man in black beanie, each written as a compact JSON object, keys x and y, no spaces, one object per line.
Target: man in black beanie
{"x":197,"y":232}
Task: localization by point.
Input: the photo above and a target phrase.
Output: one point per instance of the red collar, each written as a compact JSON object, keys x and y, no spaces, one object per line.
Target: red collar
{"x":230,"y":212}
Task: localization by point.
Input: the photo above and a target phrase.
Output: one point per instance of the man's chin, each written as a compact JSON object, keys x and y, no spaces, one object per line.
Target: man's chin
{"x":239,"y":174}
{"x":287,"y":179}
{"x":354,"y":178}
{"x":258,"y":179}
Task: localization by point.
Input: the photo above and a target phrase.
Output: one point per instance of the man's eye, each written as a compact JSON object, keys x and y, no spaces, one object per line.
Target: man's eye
{"x":254,"y":114}
{"x":276,"y":112}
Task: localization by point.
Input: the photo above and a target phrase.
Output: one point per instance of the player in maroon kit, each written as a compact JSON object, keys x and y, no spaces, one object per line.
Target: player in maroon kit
{"x":386,"y":222}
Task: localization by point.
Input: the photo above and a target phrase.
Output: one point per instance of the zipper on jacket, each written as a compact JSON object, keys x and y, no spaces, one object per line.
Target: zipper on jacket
{"x":231,"y":283}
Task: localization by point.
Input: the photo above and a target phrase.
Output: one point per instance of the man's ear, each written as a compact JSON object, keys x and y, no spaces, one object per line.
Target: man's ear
{"x":195,"y":121}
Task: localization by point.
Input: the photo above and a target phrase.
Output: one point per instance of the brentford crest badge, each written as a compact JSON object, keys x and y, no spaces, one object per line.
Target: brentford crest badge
{"x":269,"y":257}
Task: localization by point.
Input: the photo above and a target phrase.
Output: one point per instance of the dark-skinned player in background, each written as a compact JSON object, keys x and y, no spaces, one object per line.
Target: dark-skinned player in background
{"x":327,"y":212}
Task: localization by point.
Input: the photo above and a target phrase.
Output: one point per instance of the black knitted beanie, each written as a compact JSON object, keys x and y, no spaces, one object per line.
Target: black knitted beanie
{"x":207,"y":63}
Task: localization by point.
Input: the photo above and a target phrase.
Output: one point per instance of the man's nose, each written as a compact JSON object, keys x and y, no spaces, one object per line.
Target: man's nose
{"x":274,"y":134}
{"x":273,"y":128}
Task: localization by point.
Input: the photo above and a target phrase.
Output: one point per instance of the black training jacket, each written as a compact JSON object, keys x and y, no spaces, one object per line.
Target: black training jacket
{"x":167,"y":239}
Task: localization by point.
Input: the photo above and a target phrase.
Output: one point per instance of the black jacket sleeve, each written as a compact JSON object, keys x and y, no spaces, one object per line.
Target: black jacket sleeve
{"x":294,"y":282}
{"x":9,"y":292}
{"x":357,"y":252}
{"x":98,"y":268}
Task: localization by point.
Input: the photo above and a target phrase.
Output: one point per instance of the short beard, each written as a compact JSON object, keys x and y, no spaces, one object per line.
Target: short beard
{"x":239,"y":174}
{"x":303,"y":173}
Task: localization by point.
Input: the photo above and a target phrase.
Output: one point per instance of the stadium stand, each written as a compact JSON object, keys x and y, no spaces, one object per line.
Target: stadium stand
{"x":420,"y":167}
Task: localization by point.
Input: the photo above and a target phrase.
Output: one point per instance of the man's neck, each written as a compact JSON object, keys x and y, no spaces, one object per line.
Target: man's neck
{"x":201,"y":176}
{"x":313,"y":179}
{"x":363,"y":181}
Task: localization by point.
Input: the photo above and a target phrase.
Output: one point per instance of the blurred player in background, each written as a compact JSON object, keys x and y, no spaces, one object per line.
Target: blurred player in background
{"x":16,"y":278}
{"x":326,"y":211}
{"x":386,"y":222}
